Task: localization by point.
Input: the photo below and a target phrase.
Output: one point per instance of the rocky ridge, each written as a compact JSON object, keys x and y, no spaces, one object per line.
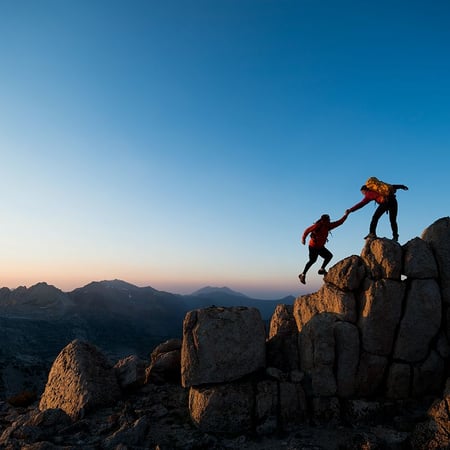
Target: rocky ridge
{"x":363,"y":363}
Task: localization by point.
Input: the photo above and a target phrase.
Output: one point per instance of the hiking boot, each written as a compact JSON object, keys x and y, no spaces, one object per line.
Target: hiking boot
{"x":302,"y":278}
{"x":370,"y":236}
{"x":322,"y":271}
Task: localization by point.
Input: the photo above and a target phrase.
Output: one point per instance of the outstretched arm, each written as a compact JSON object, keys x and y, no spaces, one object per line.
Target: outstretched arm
{"x":340,"y":221}
{"x":359,"y":205}
{"x":400,"y":186}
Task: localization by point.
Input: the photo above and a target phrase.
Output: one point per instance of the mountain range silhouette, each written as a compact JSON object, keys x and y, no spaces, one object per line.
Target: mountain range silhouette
{"x":116,"y":316}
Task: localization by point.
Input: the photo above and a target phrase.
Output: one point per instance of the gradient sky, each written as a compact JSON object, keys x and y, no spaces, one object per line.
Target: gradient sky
{"x":184,"y":143}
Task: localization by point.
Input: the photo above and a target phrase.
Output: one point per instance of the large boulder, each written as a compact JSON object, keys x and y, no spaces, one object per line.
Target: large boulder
{"x":438,"y":236}
{"x":418,"y":260}
{"x":282,"y":344}
{"x":242,"y":406}
{"x":165,"y":366}
{"x":421,"y":321}
{"x":329,"y":350}
{"x":221,"y":345}
{"x":381,"y":308}
{"x":223,"y":408}
{"x":317,"y":353}
{"x":347,"y":349}
{"x":383,"y":258}
{"x":81,"y":379}
{"x":328,"y":299}
{"x":347,"y":274}
{"x":130,"y":372}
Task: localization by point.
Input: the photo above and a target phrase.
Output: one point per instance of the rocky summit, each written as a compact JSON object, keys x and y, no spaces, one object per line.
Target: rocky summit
{"x":363,"y":363}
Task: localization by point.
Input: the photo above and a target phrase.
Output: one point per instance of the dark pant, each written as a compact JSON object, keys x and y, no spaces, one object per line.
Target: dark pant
{"x":390,"y":206}
{"x":314,"y":253}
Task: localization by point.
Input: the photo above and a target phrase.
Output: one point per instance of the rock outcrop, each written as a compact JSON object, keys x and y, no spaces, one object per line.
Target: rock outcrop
{"x":377,"y":329}
{"x":388,"y":320}
{"x":370,"y":348}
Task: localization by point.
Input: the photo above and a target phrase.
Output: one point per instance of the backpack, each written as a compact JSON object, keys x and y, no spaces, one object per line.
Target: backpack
{"x":376,"y":185}
{"x":321,"y":225}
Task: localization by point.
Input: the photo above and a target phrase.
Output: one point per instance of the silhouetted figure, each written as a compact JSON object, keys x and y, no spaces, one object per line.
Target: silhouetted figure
{"x":319,"y":237}
{"x":386,"y":203}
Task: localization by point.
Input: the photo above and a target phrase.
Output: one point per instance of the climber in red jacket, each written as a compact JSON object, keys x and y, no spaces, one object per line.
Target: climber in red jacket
{"x":319,"y":237}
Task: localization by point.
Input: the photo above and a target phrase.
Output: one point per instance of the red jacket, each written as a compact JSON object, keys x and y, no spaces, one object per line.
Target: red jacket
{"x":368,"y":197}
{"x":319,"y":232}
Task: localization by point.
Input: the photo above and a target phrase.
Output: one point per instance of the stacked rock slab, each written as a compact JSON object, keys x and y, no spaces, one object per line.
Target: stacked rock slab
{"x":223,"y":358}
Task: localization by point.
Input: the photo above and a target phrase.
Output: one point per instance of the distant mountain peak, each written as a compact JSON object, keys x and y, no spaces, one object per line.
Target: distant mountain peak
{"x":111,"y":284}
{"x":211,"y":290}
{"x":118,"y":284}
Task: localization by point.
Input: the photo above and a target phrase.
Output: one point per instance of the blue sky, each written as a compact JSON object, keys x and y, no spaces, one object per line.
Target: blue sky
{"x":181,"y":143}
